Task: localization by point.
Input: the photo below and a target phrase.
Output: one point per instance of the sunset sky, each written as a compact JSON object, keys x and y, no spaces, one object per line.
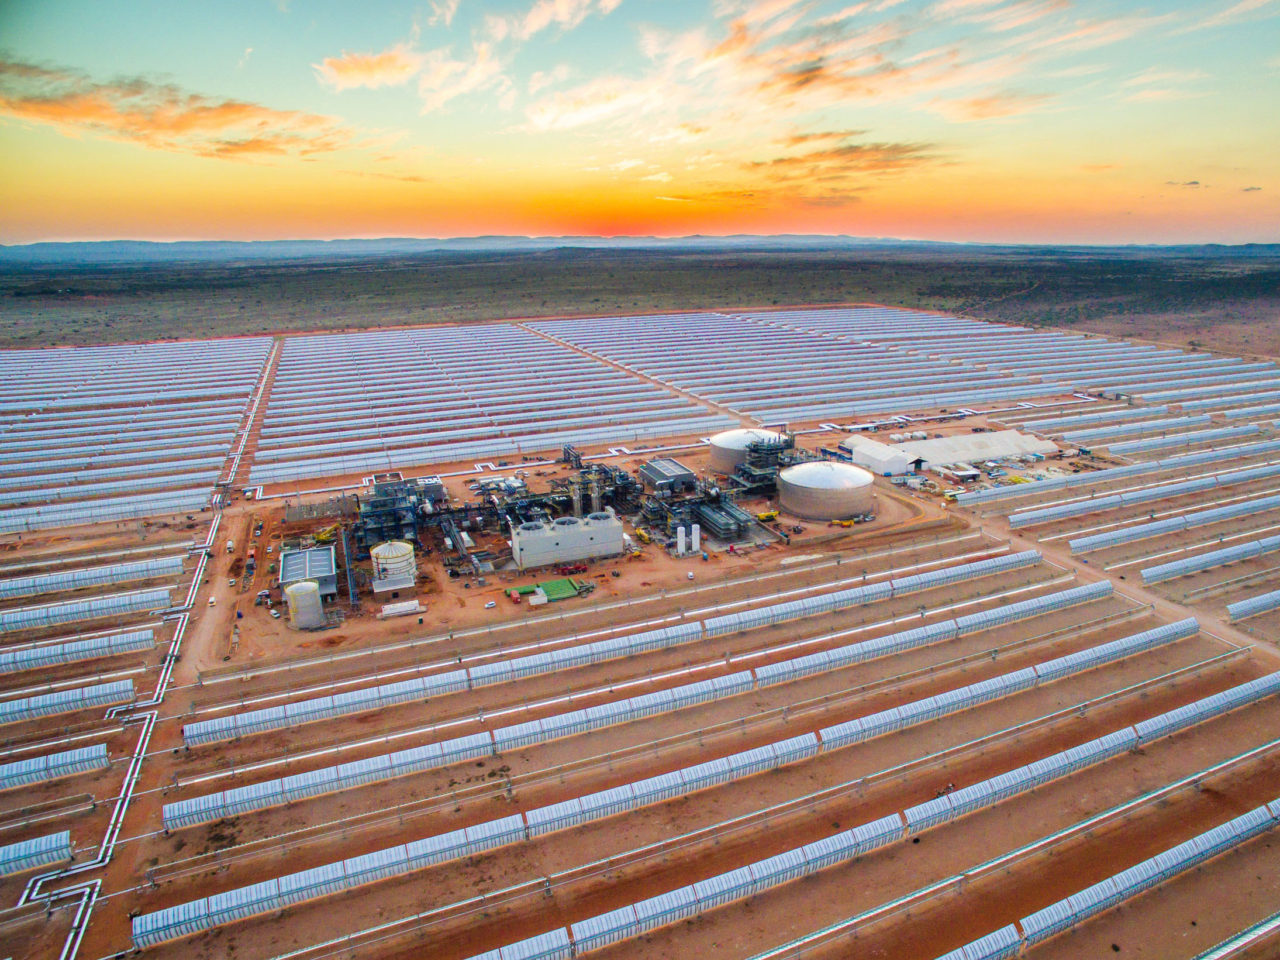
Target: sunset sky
{"x":992,"y":120}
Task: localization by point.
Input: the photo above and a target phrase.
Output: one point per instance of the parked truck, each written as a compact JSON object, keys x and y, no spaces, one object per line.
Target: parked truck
{"x":231,"y":546}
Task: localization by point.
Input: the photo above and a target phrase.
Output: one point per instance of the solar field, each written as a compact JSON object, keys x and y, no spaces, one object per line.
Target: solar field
{"x":1042,"y":720}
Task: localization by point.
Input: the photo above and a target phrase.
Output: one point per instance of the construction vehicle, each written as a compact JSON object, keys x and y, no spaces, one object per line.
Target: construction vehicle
{"x":643,"y":535}
{"x":767,"y":516}
{"x":843,"y":523}
{"x":324,"y":536}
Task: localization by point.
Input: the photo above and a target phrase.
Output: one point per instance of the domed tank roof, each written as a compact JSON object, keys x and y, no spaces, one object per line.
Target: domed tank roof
{"x":827,"y":475}
{"x":739,"y":439}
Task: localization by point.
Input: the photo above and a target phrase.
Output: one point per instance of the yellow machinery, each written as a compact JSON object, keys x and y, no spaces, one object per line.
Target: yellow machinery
{"x":643,"y":535}
{"x":767,"y":516}
{"x":326,"y":535}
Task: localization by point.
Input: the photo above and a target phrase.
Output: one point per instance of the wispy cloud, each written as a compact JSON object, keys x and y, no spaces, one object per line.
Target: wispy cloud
{"x":244,"y":57}
{"x":596,"y":101}
{"x":442,"y":12}
{"x":541,"y":79}
{"x":543,"y":14}
{"x":163,"y":116}
{"x":991,"y":106}
{"x":443,"y":78}
{"x":846,"y":161}
{"x":394,"y":66}
{"x":1236,"y":12}
{"x":1250,"y":189}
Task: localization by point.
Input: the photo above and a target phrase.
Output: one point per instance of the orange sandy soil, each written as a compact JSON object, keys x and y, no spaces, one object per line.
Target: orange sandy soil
{"x":32,"y":933}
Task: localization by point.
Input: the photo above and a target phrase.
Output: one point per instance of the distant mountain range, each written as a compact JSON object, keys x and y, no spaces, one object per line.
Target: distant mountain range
{"x":227,"y":251}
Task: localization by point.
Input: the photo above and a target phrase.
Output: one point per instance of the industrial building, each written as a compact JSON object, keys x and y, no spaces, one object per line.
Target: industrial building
{"x":826,"y":490}
{"x":976,"y":447}
{"x":667,"y":476}
{"x":540,"y":543}
{"x":880,"y":458}
{"x":316,"y":564}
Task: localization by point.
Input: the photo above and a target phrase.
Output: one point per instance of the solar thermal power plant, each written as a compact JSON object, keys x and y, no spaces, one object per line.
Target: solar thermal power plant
{"x":853,"y":707}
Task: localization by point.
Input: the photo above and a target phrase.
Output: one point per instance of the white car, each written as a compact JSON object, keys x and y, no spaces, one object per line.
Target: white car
{"x":491,"y":604}
{"x":213,"y":601}
{"x":690,"y":574}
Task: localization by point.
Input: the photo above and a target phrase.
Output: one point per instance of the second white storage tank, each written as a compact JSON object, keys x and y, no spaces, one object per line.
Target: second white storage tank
{"x":826,"y":490}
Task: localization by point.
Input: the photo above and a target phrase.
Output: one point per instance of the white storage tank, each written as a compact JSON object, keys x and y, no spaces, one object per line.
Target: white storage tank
{"x":393,"y":560}
{"x":306,"y":611}
{"x":728,"y":449}
{"x":825,"y":490}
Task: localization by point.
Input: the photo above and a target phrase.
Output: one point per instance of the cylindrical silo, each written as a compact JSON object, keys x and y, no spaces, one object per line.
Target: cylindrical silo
{"x":306,"y":611}
{"x":394,"y":560}
{"x":825,"y":490}
{"x":728,"y":449}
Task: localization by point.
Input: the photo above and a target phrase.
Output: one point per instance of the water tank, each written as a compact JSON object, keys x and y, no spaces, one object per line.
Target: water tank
{"x":728,"y":449}
{"x":306,"y":612}
{"x":394,"y":559}
{"x":825,"y":490}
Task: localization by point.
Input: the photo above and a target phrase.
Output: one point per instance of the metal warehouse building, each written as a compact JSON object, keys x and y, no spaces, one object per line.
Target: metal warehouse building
{"x":316,"y":564}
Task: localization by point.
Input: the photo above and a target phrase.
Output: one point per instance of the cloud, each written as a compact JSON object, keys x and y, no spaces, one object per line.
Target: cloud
{"x":390,"y":68}
{"x":1250,"y":189}
{"x":163,"y":116}
{"x":565,"y":14}
{"x":1099,"y":167}
{"x":839,"y":162}
{"x":1236,"y":12}
{"x":798,"y":139}
{"x":244,"y":57}
{"x":541,"y":79}
{"x":1011,"y":16}
{"x":660,"y":177}
{"x":444,"y":78}
{"x":992,"y":106}
{"x":1157,"y":75}
{"x":622,"y":165}
{"x":596,"y":101}
{"x":1091,"y":34}
{"x":1183,"y":183}
{"x":442,"y":12}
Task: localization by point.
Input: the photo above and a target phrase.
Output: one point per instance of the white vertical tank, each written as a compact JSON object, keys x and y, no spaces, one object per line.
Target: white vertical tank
{"x":393,"y":560}
{"x":697,"y":537}
{"x":306,"y":611}
{"x":680,"y":542}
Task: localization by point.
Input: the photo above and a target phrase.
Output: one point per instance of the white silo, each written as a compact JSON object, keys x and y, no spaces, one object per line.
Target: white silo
{"x":393,"y":561}
{"x":825,"y":490}
{"x":306,"y":611}
{"x":728,"y":449}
